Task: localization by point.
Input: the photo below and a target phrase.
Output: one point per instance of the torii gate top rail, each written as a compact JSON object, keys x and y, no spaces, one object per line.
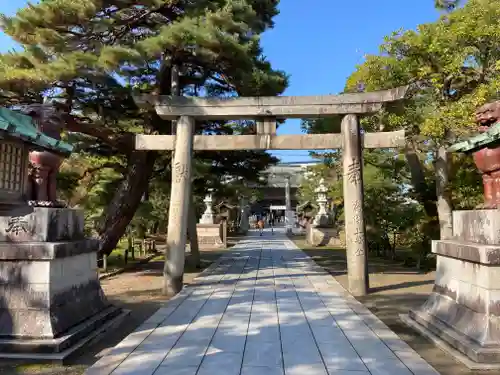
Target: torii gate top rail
{"x":172,"y":107}
{"x":267,"y":110}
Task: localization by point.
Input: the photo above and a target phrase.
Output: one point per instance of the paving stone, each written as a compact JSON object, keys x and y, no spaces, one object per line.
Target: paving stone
{"x":340,"y":356}
{"x":221,"y":363}
{"x":300,"y":352}
{"x":261,"y":370}
{"x":416,"y":364}
{"x":106,"y":364}
{"x":169,"y":370}
{"x":264,"y":308}
{"x":329,"y":334}
{"x":184,"y":356}
{"x":228,"y":341}
{"x":141,"y":363}
{"x":264,"y":334}
{"x":131,"y":342}
{"x":267,"y":354}
{"x":384,"y":366}
{"x":306,"y":369}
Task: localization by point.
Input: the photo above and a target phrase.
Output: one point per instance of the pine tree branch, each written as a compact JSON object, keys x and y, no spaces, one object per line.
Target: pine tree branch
{"x":222,"y":81}
{"x":115,"y":166}
{"x":123,"y":141}
{"x":67,"y":31}
{"x":135,"y":21}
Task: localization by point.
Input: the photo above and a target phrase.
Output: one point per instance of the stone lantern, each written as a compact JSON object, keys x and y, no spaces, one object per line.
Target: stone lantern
{"x":321,"y":217}
{"x":210,"y":234}
{"x":208,"y":215}
{"x":319,"y":233}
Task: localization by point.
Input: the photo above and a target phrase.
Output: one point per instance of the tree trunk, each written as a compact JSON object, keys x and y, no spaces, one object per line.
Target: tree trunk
{"x":444,"y":205}
{"x":126,"y":200}
{"x":425,"y":195}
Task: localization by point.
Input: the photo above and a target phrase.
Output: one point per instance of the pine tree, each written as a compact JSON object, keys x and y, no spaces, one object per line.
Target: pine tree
{"x":96,"y":54}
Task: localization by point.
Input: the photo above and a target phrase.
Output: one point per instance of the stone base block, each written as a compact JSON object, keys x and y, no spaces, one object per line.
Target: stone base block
{"x":57,"y":349}
{"x":468,"y":251}
{"x":437,"y":339}
{"x":44,"y":224}
{"x":317,"y":236}
{"x":464,"y":307}
{"x":479,"y":226}
{"x":290,"y":220}
{"x":46,"y":250}
{"x":456,"y":339}
{"x":210,"y":236}
{"x":44,"y":298}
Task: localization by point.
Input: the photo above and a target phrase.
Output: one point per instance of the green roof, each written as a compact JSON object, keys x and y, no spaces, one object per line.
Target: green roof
{"x":21,"y":126}
{"x":492,"y":135}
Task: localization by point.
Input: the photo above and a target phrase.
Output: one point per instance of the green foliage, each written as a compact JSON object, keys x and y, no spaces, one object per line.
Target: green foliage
{"x":453,"y":59}
{"x":333,"y":180}
{"x":452,"y":66}
{"x":388,"y":209}
{"x":94,"y":56}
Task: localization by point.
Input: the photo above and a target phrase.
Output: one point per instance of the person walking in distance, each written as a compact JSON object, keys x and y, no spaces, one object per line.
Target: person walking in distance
{"x":260,"y":224}
{"x":271,"y":222}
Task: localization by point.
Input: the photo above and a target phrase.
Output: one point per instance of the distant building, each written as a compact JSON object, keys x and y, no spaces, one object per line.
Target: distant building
{"x":274,"y":194}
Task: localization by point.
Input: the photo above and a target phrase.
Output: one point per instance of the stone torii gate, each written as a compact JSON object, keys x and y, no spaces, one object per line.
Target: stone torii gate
{"x":266,"y":110}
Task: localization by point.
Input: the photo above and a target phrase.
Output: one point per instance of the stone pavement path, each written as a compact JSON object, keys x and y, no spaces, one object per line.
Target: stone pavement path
{"x":264,"y":308}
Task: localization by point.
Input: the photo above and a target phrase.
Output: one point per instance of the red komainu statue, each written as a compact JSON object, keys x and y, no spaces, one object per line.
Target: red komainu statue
{"x":44,"y":165}
{"x":487,"y":159}
{"x":488,"y":115}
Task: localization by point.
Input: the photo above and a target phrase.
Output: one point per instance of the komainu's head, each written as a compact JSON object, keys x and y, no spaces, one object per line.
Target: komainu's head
{"x":488,"y":114}
{"x":47,"y":117}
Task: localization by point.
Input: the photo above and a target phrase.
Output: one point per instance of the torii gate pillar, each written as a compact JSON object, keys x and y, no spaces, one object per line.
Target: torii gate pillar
{"x":179,"y":207}
{"x":352,"y":163}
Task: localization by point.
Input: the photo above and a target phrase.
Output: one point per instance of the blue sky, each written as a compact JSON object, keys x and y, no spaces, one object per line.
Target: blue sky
{"x":319,"y":43}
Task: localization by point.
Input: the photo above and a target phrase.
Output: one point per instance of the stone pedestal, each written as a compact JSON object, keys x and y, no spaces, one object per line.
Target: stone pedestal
{"x":210,"y":236}
{"x":463,"y":310}
{"x":322,"y":236}
{"x":290,"y":219}
{"x":51,"y":301}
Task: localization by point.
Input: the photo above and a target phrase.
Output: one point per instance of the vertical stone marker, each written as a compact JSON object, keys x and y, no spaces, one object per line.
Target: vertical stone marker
{"x":357,"y":265}
{"x":179,"y":207}
{"x":288,"y":205}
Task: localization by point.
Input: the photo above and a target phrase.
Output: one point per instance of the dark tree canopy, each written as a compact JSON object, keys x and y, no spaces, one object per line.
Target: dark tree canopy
{"x":94,"y":56}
